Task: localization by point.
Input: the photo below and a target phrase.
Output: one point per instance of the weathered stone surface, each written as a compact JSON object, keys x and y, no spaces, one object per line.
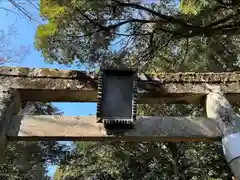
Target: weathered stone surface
{"x":44,"y":72}
{"x":67,"y":86}
{"x":179,"y":77}
{"x":85,"y":128}
{"x":68,"y":90}
{"x":218,"y":107}
{"x":9,"y":106}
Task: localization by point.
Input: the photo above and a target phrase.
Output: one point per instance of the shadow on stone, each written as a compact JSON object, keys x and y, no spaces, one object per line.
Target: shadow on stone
{"x":117,"y":129}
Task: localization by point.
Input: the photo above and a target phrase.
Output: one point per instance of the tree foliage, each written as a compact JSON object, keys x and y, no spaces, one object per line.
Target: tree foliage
{"x":198,"y":36}
{"x":193,"y":6}
{"x":163,"y":161}
{"x":85,"y":32}
{"x":29,"y":160}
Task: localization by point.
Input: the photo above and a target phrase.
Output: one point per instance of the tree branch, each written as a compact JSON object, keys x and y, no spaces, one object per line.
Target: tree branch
{"x":185,"y":30}
{"x":117,"y":24}
{"x":162,"y":16}
{"x":220,"y":21}
{"x":20,"y":9}
{"x":222,"y":3}
{"x":173,"y":149}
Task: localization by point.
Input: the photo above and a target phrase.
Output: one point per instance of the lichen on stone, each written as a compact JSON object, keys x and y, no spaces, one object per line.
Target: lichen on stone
{"x":179,"y":77}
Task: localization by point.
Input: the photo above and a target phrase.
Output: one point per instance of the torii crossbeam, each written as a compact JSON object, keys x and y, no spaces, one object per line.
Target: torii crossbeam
{"x":48,"y":85}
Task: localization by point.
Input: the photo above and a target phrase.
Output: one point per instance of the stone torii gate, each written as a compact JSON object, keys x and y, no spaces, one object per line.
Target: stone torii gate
{"x":19,"y":84}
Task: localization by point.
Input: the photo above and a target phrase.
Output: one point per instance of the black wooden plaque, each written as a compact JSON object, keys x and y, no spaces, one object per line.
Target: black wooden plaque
{"x":117,"y":92}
